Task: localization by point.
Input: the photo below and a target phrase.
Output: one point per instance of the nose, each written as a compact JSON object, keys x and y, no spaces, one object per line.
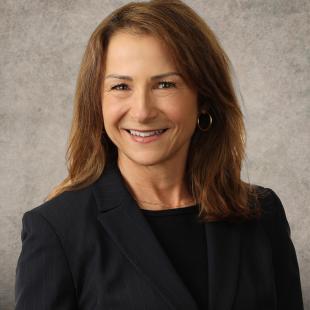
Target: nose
{"x":143,"y":107}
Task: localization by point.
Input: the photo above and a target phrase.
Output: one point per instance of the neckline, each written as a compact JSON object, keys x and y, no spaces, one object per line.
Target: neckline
{"x":174,"y":211}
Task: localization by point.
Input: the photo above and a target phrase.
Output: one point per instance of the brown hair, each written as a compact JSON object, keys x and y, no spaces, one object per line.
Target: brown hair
{"x":213,"y":167}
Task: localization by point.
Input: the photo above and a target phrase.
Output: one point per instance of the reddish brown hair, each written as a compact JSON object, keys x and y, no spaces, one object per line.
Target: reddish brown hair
{"x":213,"y":168}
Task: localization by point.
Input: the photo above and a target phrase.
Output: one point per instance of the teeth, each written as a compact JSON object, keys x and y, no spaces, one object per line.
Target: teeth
{"x":146,"y":133}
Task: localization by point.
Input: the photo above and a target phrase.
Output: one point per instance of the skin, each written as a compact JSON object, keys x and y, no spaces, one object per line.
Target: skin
{"x":152,"y":171}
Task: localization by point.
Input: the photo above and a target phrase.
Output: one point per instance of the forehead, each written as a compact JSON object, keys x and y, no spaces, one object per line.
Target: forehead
{"x":126,"y":48}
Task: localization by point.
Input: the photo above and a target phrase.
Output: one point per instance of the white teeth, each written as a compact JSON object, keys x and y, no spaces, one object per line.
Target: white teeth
{"x":146,"y":133}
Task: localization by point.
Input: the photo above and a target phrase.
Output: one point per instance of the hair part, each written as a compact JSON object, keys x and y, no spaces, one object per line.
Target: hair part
{"x":213,"y":167}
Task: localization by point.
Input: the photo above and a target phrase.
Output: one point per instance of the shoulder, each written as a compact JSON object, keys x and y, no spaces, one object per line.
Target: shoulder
{"x":274,"y":218}
{"x":269,"y":201}
{"x":66,"y":211}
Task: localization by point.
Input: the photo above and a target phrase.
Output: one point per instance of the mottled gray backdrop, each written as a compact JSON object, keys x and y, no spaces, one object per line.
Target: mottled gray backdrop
{"x":41,"y":48}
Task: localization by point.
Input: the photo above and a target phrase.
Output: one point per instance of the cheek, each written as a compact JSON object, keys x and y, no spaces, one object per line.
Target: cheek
{"x":111,"y":112}
{"x":183,"y":114}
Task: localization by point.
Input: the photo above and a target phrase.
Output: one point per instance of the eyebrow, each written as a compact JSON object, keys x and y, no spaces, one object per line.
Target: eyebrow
{"x":129,"y":78}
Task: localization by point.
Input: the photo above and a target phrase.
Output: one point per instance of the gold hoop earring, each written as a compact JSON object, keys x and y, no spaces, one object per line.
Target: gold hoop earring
{"x":210,"y":122}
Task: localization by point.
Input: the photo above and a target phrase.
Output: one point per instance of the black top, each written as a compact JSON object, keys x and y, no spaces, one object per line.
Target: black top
{"x":182,"y":237}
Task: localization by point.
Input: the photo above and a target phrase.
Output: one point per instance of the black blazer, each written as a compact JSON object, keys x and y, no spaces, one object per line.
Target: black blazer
{"x":93,"y":249}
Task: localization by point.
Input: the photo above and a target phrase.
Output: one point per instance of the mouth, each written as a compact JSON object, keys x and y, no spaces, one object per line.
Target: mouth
{"x":146,"y":130}
{"x":146,"y":136}
{"x":145,"y":133}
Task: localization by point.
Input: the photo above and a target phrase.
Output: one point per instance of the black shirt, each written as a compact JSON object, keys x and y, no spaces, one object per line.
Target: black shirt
{"x":183,"y":238}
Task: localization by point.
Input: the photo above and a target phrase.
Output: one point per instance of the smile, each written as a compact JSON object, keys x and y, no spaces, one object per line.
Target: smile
{"x":146,"y":136}
{"x":146,"y":133}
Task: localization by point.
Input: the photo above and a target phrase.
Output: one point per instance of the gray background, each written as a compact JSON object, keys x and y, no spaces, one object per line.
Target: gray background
{"x":41,"y":48}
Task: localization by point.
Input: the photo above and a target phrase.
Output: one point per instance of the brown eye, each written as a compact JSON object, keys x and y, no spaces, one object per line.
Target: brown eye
{"x":116,"y":87}
{"x":170,"y":84}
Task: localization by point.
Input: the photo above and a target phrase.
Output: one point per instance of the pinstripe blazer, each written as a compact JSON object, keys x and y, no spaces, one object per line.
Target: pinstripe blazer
{"x":93,"y":249}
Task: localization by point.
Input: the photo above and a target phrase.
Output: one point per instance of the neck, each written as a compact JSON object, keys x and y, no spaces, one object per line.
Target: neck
{"x":156,"y":187}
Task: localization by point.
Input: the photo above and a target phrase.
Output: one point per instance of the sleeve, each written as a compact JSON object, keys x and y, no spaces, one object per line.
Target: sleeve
{"x":287,"y":278}
{"x":43,"y":279}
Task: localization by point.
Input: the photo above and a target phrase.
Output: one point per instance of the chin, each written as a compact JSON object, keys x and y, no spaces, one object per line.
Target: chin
{"x":143,"y":159}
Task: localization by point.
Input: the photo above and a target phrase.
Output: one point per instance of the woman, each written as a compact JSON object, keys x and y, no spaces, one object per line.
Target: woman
{"x":153,"y":214}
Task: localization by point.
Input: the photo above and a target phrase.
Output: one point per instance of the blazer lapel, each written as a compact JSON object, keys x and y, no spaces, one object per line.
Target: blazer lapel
{"x":126,"y":225}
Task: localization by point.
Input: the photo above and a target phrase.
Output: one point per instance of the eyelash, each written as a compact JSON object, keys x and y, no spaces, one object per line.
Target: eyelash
{"x":167,"y":82}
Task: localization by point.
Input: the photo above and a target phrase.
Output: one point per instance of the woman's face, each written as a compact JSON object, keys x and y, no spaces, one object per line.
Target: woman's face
{"x":140,"y":101}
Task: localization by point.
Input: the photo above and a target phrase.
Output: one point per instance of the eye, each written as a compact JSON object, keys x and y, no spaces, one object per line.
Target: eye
{"x":118,"y":85}
{"x":167,"y":83}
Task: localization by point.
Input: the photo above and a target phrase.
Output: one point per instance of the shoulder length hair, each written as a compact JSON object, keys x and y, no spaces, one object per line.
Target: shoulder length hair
{"x":213,"y":167}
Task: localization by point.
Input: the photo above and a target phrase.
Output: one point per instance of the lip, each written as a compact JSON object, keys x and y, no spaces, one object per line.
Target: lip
{"x":145,"y":130}
{"x":145,"y":140}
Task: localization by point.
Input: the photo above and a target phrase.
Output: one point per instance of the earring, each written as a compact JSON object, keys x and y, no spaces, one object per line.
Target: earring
{"x":201,"y":120}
